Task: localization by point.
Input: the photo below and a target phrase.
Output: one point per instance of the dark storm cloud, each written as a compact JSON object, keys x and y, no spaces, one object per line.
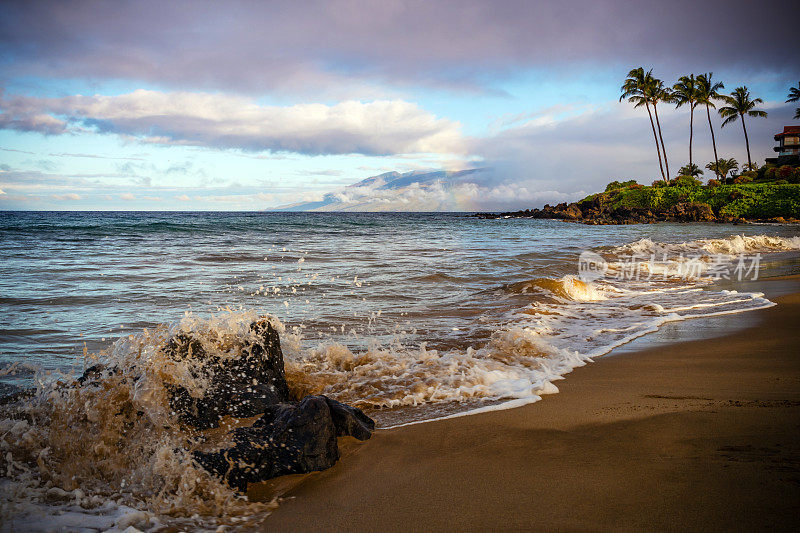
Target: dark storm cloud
{"x":347,"y":45}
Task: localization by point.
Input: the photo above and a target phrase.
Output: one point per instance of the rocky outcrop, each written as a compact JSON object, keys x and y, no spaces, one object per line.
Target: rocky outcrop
{"x":599,"y":210}
{"x":691,"y":212}
{"x":289,"y":438}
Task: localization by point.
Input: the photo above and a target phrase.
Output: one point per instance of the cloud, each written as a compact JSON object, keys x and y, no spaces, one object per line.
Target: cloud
{"x":95,"y":156}
{"x":17,"y":151}
{"x":440,"y":196}
{"x":2,"y":192}
{"x":127,"y":196}
{"x":38,"y":122}
{"x":68,"y":196}
{"x":358,"y":47}
{"x":220,"y":121}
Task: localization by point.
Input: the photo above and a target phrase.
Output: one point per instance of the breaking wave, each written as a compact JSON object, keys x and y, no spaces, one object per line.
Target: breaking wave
{"x":730,"y":246}
{"x":110,"y":452}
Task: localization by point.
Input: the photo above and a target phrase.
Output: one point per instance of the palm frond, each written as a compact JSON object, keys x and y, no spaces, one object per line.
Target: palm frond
{"x":730,"y":115}
{"x":794,"y":94}
{"x":686,"y":91}
{"x":707,"y":90}
{"x":740,"y":103}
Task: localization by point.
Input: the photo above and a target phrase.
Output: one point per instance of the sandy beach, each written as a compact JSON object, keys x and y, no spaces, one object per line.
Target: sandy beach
{"x":699,"y":435}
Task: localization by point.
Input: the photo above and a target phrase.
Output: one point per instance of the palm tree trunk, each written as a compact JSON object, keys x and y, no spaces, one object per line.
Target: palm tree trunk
{"x":747,"y":144}
{"x":664,"y":150}
{"x":691,"y":132}
{"x":655,"y":137}
{"x":713,"y":141}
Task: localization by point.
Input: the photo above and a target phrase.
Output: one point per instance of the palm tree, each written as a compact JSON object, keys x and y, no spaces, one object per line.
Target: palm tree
{"x":722,"y":166}
{"x":633,"y":90}
{"x":794,"y":95}
{"x":690,"y":170}
{"x":655,"y":92}
{"x":707,"y":93}
{"x":686,"y":92}
{"x":739,"y":105}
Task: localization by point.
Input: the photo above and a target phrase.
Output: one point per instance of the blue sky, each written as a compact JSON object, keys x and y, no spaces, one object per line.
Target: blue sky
{"x":210,"y":106}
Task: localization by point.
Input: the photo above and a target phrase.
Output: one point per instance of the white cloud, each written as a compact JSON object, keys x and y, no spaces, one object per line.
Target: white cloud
{"x":439,"y":196}
{"x":381,"y":127}
{"x":68,"y":196}
{"x":127,"y":196}
{"x":2,"y":192}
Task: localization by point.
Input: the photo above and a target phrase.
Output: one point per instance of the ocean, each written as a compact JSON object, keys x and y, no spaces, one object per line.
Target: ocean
{"x":410,"y":317}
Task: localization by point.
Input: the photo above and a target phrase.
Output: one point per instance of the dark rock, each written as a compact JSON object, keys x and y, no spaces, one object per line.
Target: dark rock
{"x":10,"y":394}
{"x":350,"y":421}
{"x":288,"y":439}
{"x":691,"y":212}
{"x":243,"y":386}
{"x":92,"y":374}
{"x":570,"y":212}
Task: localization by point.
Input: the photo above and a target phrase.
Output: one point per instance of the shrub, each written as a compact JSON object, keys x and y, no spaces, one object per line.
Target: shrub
{"x":795,"y":177}
{"x":713,"y":183}
{"x":615,"y":185}
{"x":659,"y":183}
{"x":743,"y":179}
{"x":771,"y":173}
{"x":685,"y":181}
{"x":781,"y":182}
{"x":785,"y":172}
{"x":752,"y":174}
{"x":636,"y":186}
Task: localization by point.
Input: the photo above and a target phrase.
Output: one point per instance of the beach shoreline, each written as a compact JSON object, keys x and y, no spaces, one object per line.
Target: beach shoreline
{"x":694,"y":435}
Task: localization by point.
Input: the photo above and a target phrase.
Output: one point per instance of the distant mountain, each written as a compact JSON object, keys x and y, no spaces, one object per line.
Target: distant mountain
{"x":395,"y":191}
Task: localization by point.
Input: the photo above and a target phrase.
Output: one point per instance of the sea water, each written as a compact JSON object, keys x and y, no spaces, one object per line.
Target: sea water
{"x":410,"y":317}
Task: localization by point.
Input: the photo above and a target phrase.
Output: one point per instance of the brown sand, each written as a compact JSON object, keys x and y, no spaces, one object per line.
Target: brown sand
{"x":694,"y":436}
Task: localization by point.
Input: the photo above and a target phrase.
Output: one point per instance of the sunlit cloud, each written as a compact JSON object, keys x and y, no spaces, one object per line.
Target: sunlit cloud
{"x":229,"y":122}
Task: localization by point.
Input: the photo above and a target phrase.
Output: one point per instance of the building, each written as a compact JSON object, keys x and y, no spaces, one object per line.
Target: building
{"x":788,"y":147}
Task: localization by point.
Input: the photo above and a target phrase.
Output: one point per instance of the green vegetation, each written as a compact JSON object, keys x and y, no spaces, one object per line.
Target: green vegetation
{"x":614,"y":185}
{"x":690,"y":170}
{"x":748,"y":196}
{"x":721,"y":167}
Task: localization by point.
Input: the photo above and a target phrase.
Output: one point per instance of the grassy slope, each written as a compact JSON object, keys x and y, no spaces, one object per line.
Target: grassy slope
{"x":751,"y":200}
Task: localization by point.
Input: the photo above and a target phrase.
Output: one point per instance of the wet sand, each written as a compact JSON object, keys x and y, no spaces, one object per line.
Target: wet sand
{"x":692,"y":436}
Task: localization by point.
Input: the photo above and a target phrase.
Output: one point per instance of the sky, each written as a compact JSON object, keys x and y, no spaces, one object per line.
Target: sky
{"x":253,"y":105}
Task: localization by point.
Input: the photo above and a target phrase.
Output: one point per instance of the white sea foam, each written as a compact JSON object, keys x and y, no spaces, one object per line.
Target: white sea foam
{"x":730,"y":246}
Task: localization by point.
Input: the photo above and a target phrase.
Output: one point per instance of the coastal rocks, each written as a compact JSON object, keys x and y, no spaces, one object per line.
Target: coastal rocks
{"x":242,"y":386}
{"x":691,"y":212}
{"x":289,"y":438}
{"x":246,"y":378}
{"x":599,"y":210}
